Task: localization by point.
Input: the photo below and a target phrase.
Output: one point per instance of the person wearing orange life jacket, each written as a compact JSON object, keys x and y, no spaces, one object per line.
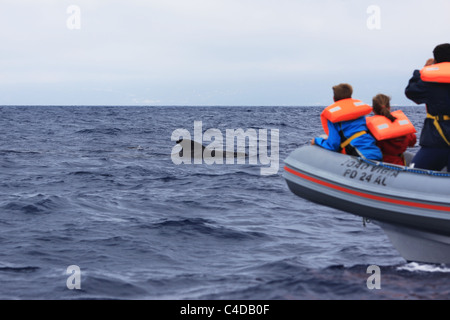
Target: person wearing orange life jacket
{"x":431,"y":86}
{"x":345,"y":124}
{"x":393,"y":131}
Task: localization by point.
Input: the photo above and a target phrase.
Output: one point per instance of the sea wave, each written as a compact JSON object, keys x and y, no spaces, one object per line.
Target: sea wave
{"x":204,"y":228}
{"x":425,"y":268}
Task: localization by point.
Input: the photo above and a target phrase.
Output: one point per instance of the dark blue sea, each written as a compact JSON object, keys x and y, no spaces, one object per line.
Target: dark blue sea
{"x":96,"y":187}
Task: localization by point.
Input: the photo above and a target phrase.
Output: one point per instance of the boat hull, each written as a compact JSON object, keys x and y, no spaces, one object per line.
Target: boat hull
{"x":402,"y":202}
{"x":418,"y":246}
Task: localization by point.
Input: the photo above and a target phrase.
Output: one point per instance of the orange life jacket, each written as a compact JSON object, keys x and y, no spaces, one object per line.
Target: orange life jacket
{"x":383,"y":129}
{"x":344,"y":110}
{"x":439,"y":72}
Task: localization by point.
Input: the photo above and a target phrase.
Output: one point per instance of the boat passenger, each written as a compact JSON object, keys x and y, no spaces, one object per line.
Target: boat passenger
{"x":388,"y":129}
{"x":345,"y":124}
{"x":435,"y":93}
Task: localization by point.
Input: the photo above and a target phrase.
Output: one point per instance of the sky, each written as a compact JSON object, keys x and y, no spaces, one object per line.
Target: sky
{"x":213,"y":52}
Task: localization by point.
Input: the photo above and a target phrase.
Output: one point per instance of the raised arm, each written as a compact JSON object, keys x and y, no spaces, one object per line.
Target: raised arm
{"x":417,"y":89}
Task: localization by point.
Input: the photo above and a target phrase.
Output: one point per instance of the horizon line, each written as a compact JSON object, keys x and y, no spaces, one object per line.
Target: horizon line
{"x":177,"y":106}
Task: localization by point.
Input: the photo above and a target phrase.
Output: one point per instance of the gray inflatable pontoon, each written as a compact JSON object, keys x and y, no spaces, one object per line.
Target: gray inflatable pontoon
{"x":412,"y":206}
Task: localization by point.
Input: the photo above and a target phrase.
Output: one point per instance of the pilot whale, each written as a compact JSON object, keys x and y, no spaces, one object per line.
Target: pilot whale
{"x":194,"y":147}
{"x":237,"y":146}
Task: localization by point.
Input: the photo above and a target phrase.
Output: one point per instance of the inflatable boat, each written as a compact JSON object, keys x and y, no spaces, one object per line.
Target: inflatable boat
{"x":412,"y":206}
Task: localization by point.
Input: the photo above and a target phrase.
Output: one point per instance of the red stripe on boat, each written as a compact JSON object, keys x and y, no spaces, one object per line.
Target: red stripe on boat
{"x":366,"y":195}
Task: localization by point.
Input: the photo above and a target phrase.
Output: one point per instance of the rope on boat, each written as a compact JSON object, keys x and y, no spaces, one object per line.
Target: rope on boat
{"x":405,"y":169}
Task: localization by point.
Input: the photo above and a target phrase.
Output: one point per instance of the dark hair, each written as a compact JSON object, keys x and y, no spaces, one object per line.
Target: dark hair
{"x":381,"y":105}
{"x":342,"y":91}
{"x":442,"y":53}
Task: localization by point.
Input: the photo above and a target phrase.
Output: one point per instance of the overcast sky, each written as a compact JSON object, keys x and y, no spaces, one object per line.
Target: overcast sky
{"x":212,"y":52}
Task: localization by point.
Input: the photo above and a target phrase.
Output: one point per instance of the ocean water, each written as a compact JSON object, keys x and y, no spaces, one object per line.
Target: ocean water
{"x":96,"y":187}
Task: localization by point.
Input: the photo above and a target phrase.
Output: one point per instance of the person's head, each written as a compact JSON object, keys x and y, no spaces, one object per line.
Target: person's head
{"x":442,"y":53}
{"x":342,"y":91}
{"x":381,"y":105}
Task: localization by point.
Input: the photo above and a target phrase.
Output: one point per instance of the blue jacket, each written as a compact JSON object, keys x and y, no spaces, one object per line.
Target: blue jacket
{"x":437,"y":98}
{"x":363,"y":146}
